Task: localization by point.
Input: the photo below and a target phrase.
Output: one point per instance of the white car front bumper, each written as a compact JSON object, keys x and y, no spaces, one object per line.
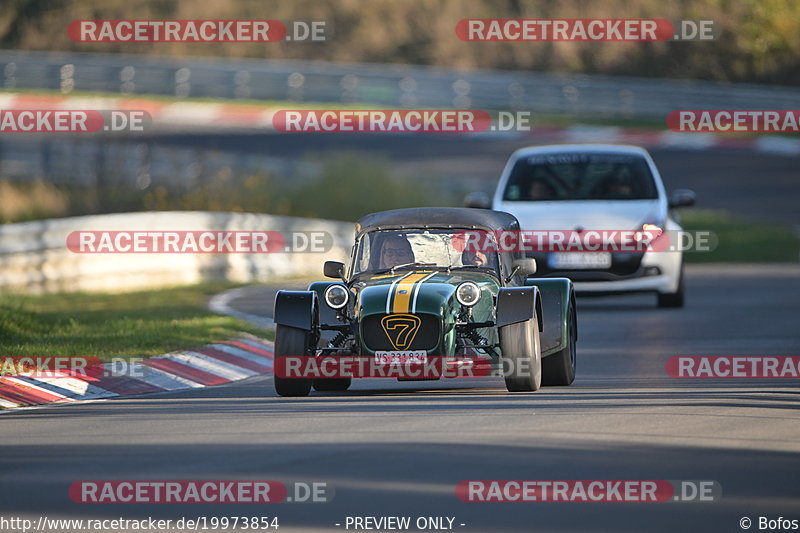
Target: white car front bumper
{"x":669,"y":263}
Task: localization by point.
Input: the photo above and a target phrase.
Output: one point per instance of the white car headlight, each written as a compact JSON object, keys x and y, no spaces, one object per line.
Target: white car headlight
{"x":468,"y":293}
{"x":336,"y":296}
{"x":648,"y":233}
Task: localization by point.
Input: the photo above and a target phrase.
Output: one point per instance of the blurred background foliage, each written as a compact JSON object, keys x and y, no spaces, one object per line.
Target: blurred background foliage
{"x":336,"y":192}
{"x":758,"y":42}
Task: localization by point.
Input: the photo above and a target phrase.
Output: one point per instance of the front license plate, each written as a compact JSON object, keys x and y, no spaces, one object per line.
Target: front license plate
{"x":568,"y":260}
{"x":402,"y":357}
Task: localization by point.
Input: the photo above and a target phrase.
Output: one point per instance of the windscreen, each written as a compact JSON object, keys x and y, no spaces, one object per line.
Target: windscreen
{"x":554,"y":177}
{"x":407,"y":249}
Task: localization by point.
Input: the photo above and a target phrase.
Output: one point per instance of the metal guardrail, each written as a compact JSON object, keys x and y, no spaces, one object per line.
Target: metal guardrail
{"x":134,"y":164}
{"x":34,"y":257}
{"x":386,"y":85}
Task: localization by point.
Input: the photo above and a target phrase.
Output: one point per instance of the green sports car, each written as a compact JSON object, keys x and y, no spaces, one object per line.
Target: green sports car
{"x":412,"y":293}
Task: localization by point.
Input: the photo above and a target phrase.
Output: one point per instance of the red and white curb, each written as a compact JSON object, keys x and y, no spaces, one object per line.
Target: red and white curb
{"x":212,"y":364}
{"x":210,"y":115}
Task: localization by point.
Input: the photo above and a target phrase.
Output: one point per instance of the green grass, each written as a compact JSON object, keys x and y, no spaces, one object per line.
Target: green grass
{"x":135,"y":324}
{"x":740,"y":239}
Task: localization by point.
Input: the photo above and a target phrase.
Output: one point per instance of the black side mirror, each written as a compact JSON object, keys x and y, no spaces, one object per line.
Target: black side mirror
{"x":526,"y":266}
{"x":477,"y":200}
{"x":682,"y":198}
{"x":333,"y":269}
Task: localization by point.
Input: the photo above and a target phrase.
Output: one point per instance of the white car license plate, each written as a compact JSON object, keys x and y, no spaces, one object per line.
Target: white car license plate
{"x":579,"y":260}
{"x":401,"y":357}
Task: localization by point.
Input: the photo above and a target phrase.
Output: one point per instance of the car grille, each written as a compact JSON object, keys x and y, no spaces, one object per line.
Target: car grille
{"x":375,"y":338}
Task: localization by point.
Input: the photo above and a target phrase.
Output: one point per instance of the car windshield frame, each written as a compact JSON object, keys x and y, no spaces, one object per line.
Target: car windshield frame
{"x":367,"y":237}
{"x":577,"y":180}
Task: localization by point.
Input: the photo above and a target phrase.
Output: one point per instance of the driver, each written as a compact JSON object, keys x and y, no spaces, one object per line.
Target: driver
{"x":474,"y":258}
{"x":396,"y":250}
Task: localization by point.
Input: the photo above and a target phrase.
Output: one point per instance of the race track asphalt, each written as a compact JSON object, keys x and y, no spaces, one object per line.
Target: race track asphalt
{"x":392,"y":449}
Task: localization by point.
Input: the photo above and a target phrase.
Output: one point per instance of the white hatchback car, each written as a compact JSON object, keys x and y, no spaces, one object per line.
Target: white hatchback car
{"x":585,"y":187}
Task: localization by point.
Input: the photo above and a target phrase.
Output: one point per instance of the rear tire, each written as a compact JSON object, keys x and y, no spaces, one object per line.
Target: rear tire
{"x":673,"y":299}
{"x":559,"y":368}
{"x":295,"y":342}
{"x":519,"y":344}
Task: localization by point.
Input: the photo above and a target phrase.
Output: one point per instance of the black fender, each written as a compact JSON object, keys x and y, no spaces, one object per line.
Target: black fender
{"x":556,"y":294}
{"x":298,"y":309}
{"x":516,"y":304}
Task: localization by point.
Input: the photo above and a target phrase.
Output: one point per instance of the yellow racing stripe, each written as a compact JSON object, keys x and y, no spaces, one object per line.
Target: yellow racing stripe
{"x":403,"y":290}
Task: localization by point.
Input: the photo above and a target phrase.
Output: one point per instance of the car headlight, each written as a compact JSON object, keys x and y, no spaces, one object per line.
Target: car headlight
{"x":648,"y":233}
{"x":468,"y":293}
{"x":336,"y":296}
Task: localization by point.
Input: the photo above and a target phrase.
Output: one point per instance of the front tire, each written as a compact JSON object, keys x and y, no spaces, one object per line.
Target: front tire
{"x":559,"y":368}
{"x":673,"y":299}
{"x":294,"y":342}
{"x":519,"y":344}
